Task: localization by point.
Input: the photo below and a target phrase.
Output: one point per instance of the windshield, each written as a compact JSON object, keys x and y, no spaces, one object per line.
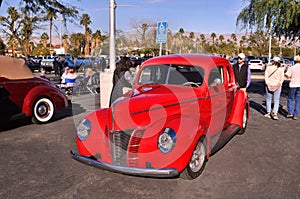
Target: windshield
{"x":171,"y":74}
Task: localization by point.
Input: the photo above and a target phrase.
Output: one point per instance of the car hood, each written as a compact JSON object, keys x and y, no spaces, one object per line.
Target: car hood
{"x":150,"y":103}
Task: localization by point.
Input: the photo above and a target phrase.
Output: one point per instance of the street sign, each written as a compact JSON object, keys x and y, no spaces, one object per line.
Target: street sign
{"x":162,"y":29}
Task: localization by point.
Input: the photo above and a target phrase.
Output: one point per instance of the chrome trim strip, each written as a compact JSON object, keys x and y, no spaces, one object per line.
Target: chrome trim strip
{"x":147,"y":172}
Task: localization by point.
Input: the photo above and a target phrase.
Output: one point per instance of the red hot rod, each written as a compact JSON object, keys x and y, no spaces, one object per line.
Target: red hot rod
{"x":182,"y":109}
{"x":23,"y":94}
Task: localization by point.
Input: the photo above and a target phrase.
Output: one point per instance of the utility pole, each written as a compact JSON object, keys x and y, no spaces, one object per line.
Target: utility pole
{"x":107,"y":77}
{"x":112,"y":33}
{"x":270,"y":42}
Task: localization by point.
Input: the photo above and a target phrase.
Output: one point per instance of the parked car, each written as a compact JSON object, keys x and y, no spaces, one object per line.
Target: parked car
{"x":47,"y":64}
{"x":249,"y":57}
{"x":257,"y":64}
{"x":136,"y":61}
{"x":264,"y":59}
{"x":33,"y":66}
{"x":23,"y":94}
{"x":183,"y":109}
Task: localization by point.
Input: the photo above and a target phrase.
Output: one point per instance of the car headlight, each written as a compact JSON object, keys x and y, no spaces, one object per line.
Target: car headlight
{"x":167,"y":140}
{"x":83,"y":129}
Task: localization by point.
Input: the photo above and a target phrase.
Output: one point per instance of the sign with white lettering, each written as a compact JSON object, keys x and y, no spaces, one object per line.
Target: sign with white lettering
{"x":162,"y":29}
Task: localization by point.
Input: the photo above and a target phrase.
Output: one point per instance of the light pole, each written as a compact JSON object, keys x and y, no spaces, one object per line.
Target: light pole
{"x":112,"y":33}
{"x":270,"y":43}
{"x":106,"y":78}
{"x":60,"y":35}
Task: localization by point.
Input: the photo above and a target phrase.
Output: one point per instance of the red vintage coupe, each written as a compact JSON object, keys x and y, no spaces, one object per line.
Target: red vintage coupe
{"x":183,"y":108}
{"x":21,"y":93}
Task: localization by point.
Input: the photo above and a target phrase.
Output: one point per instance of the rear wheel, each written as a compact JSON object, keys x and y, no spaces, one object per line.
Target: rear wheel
{"x":43,"y":111}
{"x":245,"y":121}
{"x":197,"y":162}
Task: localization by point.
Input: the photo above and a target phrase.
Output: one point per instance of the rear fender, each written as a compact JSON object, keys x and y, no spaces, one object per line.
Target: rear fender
{"x":58,"y":98}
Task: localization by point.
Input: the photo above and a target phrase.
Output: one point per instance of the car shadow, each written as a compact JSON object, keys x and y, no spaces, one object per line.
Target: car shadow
{"x":260,"y":108}
{"x":6,"y":125}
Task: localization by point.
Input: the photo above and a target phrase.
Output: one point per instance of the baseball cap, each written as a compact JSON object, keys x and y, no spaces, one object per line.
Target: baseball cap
{"x":297,"y":58}
{"x":241,"y":55}
{"x":276,"y":59}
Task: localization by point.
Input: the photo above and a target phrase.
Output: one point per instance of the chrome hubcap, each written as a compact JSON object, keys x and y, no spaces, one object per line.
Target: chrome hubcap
{"x":198,"y":158}
{"x":42,"y":110}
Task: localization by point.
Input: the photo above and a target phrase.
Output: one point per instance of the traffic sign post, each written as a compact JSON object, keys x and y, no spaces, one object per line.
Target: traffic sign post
{"x":161,"y":36}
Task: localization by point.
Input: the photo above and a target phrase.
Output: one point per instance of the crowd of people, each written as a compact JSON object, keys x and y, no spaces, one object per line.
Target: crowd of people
{"x":274,"y":77}
{"x":88,"y":82}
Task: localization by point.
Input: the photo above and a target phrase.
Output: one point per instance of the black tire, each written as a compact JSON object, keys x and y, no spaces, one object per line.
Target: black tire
{"x":245,"y":121}
{"x":197,"y":161}
{"x":43,"y":111}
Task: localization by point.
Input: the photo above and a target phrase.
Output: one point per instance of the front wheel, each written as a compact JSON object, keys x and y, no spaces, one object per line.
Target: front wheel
{"x":43,"y":111}
{"x":245,"y":121}
{"x":197,"y":162}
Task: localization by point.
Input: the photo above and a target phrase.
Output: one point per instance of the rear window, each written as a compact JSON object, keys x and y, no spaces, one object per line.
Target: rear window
{"x":255,"y":61}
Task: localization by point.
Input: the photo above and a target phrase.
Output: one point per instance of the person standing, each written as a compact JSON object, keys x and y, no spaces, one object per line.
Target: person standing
{"x":242,"y":72}
{"x":293,"y":74}
{"x":122,"y":79}
{"x":274,"y":77}
{"x":55,"y":65}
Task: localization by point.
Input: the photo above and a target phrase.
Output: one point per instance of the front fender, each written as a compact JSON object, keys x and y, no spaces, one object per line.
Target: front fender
{"x":57,"y":97}
{"x":240,"y":102}
{"x":97,"y":144}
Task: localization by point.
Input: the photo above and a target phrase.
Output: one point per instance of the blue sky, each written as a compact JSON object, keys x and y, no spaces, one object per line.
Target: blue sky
{"x":203,"y":16}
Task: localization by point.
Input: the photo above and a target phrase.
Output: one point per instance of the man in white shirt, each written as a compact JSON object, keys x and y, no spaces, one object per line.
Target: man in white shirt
{"x":293,"y":74}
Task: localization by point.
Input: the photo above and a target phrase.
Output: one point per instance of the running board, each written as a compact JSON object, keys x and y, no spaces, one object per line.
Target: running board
{"x":220,"y":140}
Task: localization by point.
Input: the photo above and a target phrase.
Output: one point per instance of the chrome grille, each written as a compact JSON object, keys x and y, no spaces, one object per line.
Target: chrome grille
{"x":134,"y":148}
{"x":119,"y":146}
{"x":124,"y":147}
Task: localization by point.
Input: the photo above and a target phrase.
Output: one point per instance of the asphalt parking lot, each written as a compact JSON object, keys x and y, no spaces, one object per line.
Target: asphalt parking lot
{"x":262,"y":163}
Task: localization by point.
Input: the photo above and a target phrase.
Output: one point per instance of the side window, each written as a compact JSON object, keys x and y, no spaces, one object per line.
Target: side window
{"x":216,"y":76}
{"x":153,"y":74}
{"x":229,"y":78}
{"x":145,"y":76}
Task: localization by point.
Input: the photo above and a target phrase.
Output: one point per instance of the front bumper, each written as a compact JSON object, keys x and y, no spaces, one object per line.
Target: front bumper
{"x":147,"y":172}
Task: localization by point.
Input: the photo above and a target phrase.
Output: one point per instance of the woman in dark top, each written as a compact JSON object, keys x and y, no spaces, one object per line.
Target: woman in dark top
{"x":122,"y":78}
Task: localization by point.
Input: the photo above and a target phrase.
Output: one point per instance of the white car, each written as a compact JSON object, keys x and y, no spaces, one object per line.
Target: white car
{"x":256,"y":64}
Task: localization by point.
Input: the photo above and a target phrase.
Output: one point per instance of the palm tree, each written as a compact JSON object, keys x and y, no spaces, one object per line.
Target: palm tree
{"x":181,"y":32}
{"x":221,"y":38}
{"x":86,"y":21}
{"x":97,"y":39}
{"x":233,"y":37}
{"x":44,"y":39}
{"x":65,"y":42}
{"x":11,"y":25}
{"x":51,"y":14}
{"x":203,"y":41}
{"x":76,"y":39}
{"x":213,"y":36}
{"x":29,"y":24}
{"x":191,"y":39}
